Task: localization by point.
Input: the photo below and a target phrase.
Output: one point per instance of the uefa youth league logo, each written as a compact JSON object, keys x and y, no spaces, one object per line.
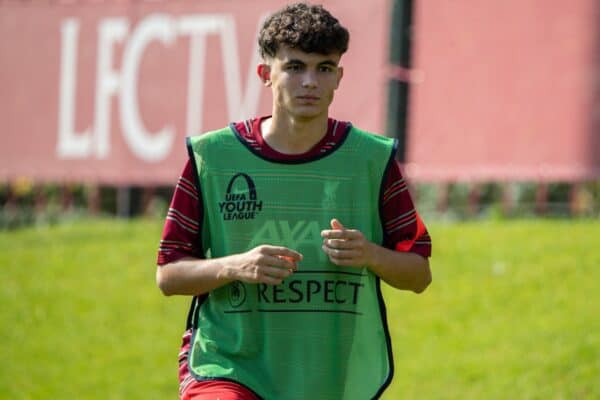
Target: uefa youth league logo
{"x":240,"y":200}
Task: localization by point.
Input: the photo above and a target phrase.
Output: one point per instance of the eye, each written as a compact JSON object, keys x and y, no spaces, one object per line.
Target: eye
{"x":325,"y":68}
{"x":293,"y":67}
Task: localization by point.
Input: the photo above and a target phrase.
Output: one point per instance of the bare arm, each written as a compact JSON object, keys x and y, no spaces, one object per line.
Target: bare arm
{"x":349,"y":247}
{"x":192,"y":276}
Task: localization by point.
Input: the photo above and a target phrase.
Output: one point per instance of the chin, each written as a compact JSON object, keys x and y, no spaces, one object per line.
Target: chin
{"x":307,"y":116}
{"x":308,"y":113}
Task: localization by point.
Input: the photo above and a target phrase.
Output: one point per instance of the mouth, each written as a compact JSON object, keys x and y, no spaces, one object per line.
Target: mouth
{"x":308,"y":98}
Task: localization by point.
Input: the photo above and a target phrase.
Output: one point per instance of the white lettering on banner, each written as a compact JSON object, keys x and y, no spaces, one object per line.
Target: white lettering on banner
{"x":70,"y":143}
{"x":147,"y":147}
{"x":239,"y":104}
{"x":112,"y":82}
{"x":110,"y":32}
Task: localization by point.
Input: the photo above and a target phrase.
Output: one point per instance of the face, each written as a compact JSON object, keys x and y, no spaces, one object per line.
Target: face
{"x":302,"y":83}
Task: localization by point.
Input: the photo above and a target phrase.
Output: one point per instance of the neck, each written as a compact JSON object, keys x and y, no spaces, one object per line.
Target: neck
{"x":291,"y":135}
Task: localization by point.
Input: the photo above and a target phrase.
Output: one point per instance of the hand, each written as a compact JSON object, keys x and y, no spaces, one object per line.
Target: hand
{"x":346,"y":247}
{"x":263,"y":264}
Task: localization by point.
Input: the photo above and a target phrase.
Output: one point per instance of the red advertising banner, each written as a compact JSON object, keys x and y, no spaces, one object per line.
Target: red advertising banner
{"x":505,"y":90}
{"x":106,"y":91}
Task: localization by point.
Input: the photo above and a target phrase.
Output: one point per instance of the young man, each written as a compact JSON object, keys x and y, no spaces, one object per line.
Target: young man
{"x":281,"y":227}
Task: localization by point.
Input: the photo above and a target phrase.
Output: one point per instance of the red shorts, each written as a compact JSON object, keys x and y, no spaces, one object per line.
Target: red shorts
{"x":216,"y":390}
{"x":191,"y":389}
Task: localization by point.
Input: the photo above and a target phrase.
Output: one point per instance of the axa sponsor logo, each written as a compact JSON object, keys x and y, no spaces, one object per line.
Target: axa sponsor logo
{"x":241,"y":200}
{"x":293,"y":234}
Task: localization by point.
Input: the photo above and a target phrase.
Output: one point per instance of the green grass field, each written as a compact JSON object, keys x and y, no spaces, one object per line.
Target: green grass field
{"x":513,"y":313}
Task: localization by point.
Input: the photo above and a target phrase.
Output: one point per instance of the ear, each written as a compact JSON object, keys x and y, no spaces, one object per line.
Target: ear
{"x":264,"y":73}
{"x":340,"y":72}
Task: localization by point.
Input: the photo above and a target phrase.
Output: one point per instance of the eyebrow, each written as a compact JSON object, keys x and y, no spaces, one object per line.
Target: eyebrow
{"x":297,"y":61}
{"x":329,"y":63}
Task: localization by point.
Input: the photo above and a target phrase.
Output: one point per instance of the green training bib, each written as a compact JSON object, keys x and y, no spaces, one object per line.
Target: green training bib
{"x":322,"y":333}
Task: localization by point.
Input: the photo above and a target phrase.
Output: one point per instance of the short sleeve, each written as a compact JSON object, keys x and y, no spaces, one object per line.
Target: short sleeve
{"x":404,"y":229}
{"x":181,"y":231}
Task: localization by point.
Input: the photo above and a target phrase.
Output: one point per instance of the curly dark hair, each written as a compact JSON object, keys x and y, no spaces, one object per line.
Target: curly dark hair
{"x":309,"y":28}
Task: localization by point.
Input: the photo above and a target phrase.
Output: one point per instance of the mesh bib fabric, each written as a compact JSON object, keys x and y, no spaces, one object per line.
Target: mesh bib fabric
{"x":322,"y":333}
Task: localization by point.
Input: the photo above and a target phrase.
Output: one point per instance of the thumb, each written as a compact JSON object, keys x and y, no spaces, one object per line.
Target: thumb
{"x":335,"y":224}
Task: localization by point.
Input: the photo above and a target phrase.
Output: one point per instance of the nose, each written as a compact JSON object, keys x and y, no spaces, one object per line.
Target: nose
{"x":309,"y":79}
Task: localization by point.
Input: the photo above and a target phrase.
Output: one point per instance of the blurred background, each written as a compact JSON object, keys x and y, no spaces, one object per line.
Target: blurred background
{"x":496,"y":106}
